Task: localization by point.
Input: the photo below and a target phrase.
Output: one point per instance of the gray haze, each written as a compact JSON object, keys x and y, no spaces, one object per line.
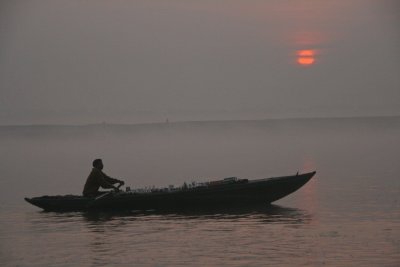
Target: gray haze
{"x":145,"y":61}
{"x":351,"y":153}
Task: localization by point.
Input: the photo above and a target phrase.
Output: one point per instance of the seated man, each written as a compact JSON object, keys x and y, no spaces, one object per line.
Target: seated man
{"x":98,"y":179}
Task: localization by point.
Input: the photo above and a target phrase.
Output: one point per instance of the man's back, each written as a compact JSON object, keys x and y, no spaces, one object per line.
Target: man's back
{"x":93,"y":182}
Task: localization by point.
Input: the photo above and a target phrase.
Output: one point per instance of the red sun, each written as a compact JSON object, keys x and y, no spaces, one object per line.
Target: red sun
{"x":306,"y":57}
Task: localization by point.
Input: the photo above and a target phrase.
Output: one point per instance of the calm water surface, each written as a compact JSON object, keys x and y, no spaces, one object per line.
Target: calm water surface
{"x":348,"y":215}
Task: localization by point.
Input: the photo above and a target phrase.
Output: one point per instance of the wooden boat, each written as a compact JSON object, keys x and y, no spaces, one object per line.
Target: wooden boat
{"x":230,"y":192}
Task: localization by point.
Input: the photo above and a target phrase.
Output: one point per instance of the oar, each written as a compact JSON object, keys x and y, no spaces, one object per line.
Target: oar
{"x":103,"y":195}
{"x":96,"y":199}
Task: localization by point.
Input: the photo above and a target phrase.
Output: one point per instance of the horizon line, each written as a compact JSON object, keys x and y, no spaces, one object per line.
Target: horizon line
{"x":197,"y":121}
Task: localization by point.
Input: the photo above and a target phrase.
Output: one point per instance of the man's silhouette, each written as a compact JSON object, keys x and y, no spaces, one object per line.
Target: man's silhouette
{"x":97,"y":178}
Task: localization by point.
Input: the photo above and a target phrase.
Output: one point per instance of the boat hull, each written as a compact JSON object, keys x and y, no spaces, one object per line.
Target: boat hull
{"x":262,"y":191}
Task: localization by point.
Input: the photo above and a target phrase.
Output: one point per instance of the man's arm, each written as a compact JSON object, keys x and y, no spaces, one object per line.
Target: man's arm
{"x":112,"y":181}
{"x":105,"y":184}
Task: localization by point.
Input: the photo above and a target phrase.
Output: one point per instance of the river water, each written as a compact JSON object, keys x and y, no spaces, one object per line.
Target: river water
{"x":347,"y":215}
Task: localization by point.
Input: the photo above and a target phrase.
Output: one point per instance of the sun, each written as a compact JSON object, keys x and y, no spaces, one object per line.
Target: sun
{"x":306,"y":57}
{"x":305,"y":61}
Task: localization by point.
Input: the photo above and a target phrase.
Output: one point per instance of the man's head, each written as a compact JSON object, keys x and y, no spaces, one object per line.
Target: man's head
{"x":98,"y":164}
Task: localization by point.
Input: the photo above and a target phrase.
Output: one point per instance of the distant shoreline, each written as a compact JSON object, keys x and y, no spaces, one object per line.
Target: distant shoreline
{"x":203,"y":121}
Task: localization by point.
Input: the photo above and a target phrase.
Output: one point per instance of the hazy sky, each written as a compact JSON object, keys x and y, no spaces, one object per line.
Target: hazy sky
{"x":132,"y":61}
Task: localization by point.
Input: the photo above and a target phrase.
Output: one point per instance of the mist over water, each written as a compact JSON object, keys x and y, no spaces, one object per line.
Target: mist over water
{"x":353,"y":201}
{"x":57,"y":159}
